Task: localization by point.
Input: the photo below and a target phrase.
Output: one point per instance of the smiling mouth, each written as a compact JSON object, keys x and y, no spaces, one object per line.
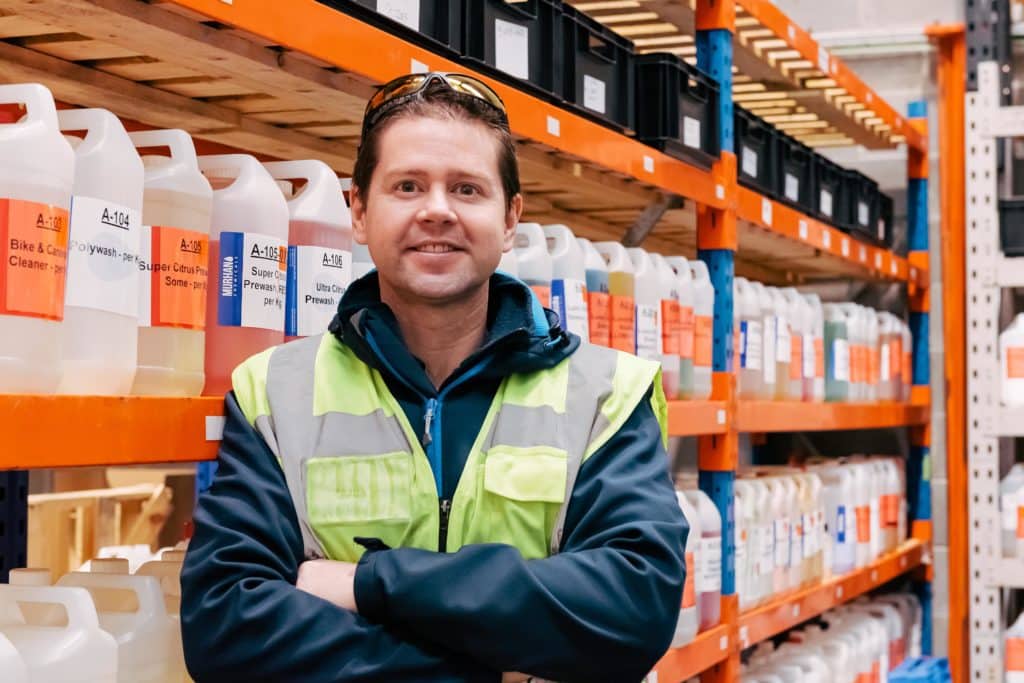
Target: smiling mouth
{"x":434,"y":248}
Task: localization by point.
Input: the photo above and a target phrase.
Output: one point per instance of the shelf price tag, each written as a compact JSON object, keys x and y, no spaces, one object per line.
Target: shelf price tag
{"x":744,"y":637}
{"x":418,"y":67}
{"x":803,"y":230}
{"x":826,"y":238}
{"x":723,"y":643}
{"x":766,"y":211}
{"x":893,"y":267}
{"x":796,"y":610}
{"x":903,"y":562}
{"x":554,"y":126}
{"x":720,"y":191}
{"x":823,"y":60}
{"x":215,"y":427}
{"x":721,"y":417}
{"x":845,"y":246}
{"x":839,"y":592}
{"x":913,"y":273}
{"x":649,"y":164}
{"x":863,"y":254}
{"x":878,"y":260}
{"x":874,"y":576}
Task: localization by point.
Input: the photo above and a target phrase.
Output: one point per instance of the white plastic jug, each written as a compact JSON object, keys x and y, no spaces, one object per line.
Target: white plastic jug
{"x":671,"y":326}
{"x":689,"y":618}
{"x":686,"y":295}
{"x":840,"y":532}
{"x":622,"y":291}
{"x":30,"y":576}
{"x":751,"y":340}
{"x":745,"y":512}
{"x":598,"y":299}
{"x":798,"y":312}
{"x":101,"y":300}
{"x":131,"y":608}
{"x":763,"y":547}
{"x":508,"y":263}
{"x":1011,"y":362}
{"x":174,"y":255}
{"x":533,"y":260}
{"x":11,"y":663}
{"x":783,"y":340}
{"x":569,"y":280}
{"x":779,"y":503}
{"x":169,"y":575}
{"x":769,"y":325}
{"x":362,"y":262}
{"x":69,"y":649}
{"x":648,"y":305}
{"x":814,"y":349}
{"x":837,"y":354}
{"x":319,"y":245}
{"x":710,"y":586}
{"x":855,"y":334}
{"x":1011,"y":503}
{"x":886,"y":390}
{"x":248,"y":258}
{"x":37,"y":170}
{"x":862,"y":490}
{"x":874,"y":340}
{"x":703,"y":328}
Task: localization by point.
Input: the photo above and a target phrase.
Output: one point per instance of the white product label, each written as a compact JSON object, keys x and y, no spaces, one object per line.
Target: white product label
{"x":862,"y":214}
{"x":648,"y":164}
{"x":840,"y":531}
{"x":884,"y":370}
{"x":783,"y":350}
{"x":809,"y":359}
{"x":554,"y":126}
{"x":766,"y":211}
{"x":317,"y":277}
{"x":823,"y":60}
{"x":711,"y":560}
{"x":594,"y":94}
{"x":749,"y":162}
{"x":750,"y":344}
{"x":782,"y":542}
{"x":512,"y":48}
{"x":792,"y":189}
{"x":569,"y":301}
{"x":803,"y":230}
{"x":767,"y":549}
{"x":648,"y":332}
{"x":251,"y":284}
{"x":844,"y":247}
{"x":770,"y":323}
{"x":863,"y":254}
{"x":841,"y":360}
{"x":826,"y":238}
{"x":416,"y":67}
{"x":691,"y":132}
{"x":796,"y":541}
{"x":405,"y":12}
{"x":741,"y":563}
{"x":825,"y":203}
{"x":103,"y":255}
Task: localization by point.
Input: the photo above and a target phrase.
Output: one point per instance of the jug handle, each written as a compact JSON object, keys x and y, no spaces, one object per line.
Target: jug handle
{"x":146,"y":588}
{"x":177,"y":141}
{"x":76,"y":602}
{"x":89,"y":120}
{"x":245,"y":164}
{"x":38,"y":101}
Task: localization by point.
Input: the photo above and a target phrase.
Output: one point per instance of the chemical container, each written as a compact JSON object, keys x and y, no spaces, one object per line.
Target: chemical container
{"x":873,"y":342}
{"x":319,"y":245}
{"x":168,"y":573}
{"x":703,"y":328}
{"x":755,"y":151}
{"x":770,"y":320}
{"x":689,"y":617}
{"x":598,"y":76}
{"x":745,"y":512}
{"x":830,"y":195}
{"x":569,"y":280}
{"x":30,"y":576}
{"x":862,"y":490}
{"x":68,"y":646}
{"x":799,"y":313}
{"x":763,"y":549}
{"x":680,"y":111}
{"x":598,"y":299}
{"x":671,"y":325}
{"x":686,"y":295}
{"x":508,"y":263}
{"x":648,"y":305}
{"x":174,"y":254}
{"x":131,"y":609}
{"x":751,"y":354}
{"x":11,"y":663}
{"x":37,"y":170}
{"x":1011,"y":362}
{"x":533,"y":261}
{"x":781,"y":501}
{"x":249,"y":258}
{"x":101,"y":300}
{"x":622,"y":291}
{"x":362,"y":262}
{"x":783,"y":343}
{"x":886,"y":390}
{"x":1011,"y":503}
{"x":840,"y":536}
{"x":837,"y":356}
{"x":710,"y":585}
{"x":814,"y":349}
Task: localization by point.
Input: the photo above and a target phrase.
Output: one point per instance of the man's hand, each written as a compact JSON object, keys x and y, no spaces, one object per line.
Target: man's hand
{"x":514,"y":677}
{"x":330,"y":580}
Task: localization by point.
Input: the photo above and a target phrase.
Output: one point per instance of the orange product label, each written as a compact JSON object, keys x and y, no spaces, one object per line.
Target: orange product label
{"x":859,"y":363}
{"x":863,"y":678}
{"x":178,"y":279}
{"x":1014,"y":654}
{"x":543,"y":293}
{"x":907,"y":372}
{"x":686,"y":331}
{"x":1015,"y":362}
{"x":599,"y":314}
{"x":863,"y":524}
{"x":796,"y":357}
{"x":689,"y":585}
{"x":873,"y":365}
{"x":1020,"y":521}
{"x":623,"y":327}
{"x":671,"y":322}
{"x":890,"y":509}
{"x":819,"y":358}
{"x":34,"y":248}
{"x":896,"y":358}
{"x":702,"y":333}
{"x":876,"y":669}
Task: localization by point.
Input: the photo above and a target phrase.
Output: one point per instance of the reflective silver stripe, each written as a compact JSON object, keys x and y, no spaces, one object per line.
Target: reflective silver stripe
{"x":339,"y":434}
{"x":265,"y":426}
{"x":290,"y":376}
{"x":523,"y":427}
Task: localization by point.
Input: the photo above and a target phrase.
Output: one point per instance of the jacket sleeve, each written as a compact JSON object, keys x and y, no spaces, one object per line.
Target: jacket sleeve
{"x":603,"y":609}
{"x":242,"y":617}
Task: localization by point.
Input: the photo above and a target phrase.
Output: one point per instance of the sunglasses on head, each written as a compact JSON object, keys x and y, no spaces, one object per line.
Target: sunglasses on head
{"x":408,"y":87}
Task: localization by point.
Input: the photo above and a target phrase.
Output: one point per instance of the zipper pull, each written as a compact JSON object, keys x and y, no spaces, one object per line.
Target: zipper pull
{"x":428,"y":418}
{"x":445,"y":506}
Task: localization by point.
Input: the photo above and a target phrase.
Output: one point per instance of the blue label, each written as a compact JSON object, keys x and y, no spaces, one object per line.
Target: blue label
{"x":229,"y":298}
{"x":291,"y":298}
{"x":558,"y":302}
{"x":841,"y":524}
{"x":743,"y":343}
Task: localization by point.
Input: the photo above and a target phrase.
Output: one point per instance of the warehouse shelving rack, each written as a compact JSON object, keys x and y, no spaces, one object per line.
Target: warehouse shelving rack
{"x":290,"y":80}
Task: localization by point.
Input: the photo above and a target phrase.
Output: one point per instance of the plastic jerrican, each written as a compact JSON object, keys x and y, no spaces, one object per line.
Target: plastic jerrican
{"x":689,"y":616}
{"x":648,"y":305}
{"x":598,"y":299}
{"x":569,"y":280}
{"x":533,"y":261}
{"x":686,"y":295}
{"x":1011,"y":362}
{"x":703,"y":328}
{"x":671,"y":325}
{"x":622,"y":295}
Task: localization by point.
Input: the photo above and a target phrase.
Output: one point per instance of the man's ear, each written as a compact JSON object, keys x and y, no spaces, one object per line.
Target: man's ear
{"x":358,"y":211}
{"x":512,"y":216}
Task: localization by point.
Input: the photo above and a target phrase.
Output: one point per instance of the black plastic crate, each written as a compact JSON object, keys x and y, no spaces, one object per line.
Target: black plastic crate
{"x":886,"y":227}
{"x":756,"y":152}
{"x":598,"y":76}
{"x":436,"y":24}
{"x":829,"y":192}
{"x":1011,"y":226}
{"x":677,"y":108}
{"x":518,"y":42}
{"x":862,"y":207}
{"x":795,"y":173}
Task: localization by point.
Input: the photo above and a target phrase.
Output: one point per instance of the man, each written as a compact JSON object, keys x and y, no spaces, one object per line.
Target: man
{"x":446,"y":486}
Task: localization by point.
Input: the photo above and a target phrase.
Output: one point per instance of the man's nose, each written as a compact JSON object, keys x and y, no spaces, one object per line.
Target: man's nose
{"x":437,"y":207}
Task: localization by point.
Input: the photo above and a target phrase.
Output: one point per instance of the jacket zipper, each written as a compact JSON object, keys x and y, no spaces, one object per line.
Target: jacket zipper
{"x":445,"y":508}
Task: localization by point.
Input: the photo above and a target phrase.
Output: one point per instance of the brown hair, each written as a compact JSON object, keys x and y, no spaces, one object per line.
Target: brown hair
{"x":437,"y":100}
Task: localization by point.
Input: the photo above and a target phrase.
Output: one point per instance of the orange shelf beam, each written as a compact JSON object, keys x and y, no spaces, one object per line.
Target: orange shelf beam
{"x":782,"y":220}
{"x":316,"y":30}
{"x":76,"y":431}
{"x":694,"y":418}
{"x":795,"y":608}
{"x":794,"y":416}
{"x":706,"y":650}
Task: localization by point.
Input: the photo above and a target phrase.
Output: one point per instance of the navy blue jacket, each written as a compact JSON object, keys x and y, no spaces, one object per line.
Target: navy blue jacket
{"x":603,"y":609}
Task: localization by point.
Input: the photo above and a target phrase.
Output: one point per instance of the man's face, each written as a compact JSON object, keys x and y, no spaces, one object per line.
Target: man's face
{"x":435,"y":217}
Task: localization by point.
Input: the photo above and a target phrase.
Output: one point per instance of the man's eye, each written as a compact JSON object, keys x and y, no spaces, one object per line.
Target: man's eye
{"x":467,"y":190}
{"x":406,"y":186}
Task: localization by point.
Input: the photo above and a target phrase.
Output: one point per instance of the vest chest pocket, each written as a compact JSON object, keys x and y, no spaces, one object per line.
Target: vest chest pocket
{"x":364,"y":495}
{"x":523,"y":490}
